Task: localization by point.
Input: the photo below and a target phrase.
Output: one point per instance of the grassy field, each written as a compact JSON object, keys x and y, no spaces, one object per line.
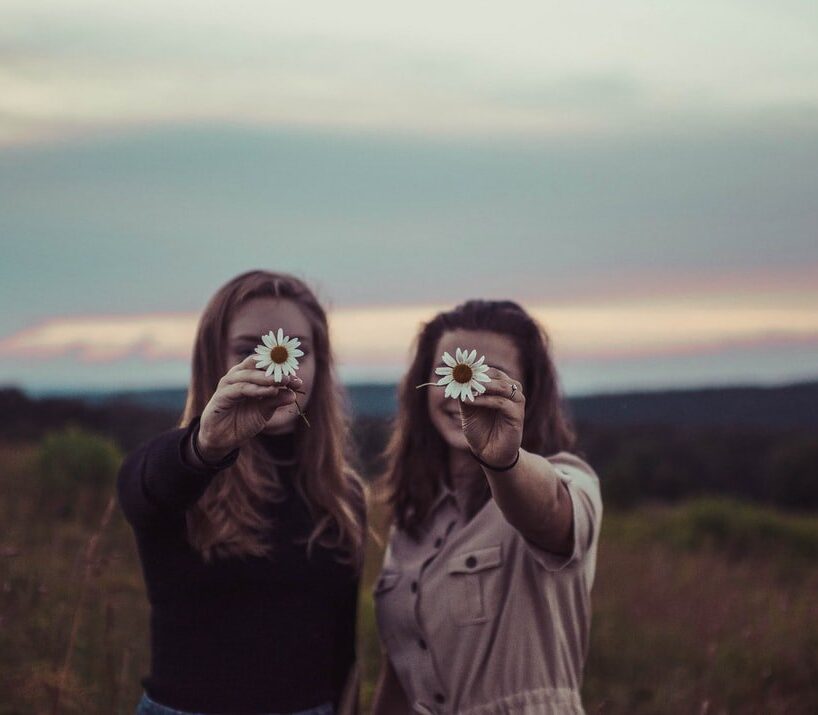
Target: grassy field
{"x":704,"y":607}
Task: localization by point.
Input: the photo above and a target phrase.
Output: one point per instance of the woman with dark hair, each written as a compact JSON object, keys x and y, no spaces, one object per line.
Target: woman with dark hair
{"x":483,"y":601}
{"x":248,"y":518}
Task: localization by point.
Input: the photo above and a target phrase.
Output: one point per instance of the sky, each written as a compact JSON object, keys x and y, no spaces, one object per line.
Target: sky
{"x":641,"y":176}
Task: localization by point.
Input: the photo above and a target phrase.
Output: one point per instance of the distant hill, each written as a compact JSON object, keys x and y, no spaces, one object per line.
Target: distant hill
{"x":756,"y":443}
{"x":787,"y":406}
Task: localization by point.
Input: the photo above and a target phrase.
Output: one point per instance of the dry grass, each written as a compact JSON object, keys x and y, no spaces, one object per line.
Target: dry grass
{"x":723,"y":624}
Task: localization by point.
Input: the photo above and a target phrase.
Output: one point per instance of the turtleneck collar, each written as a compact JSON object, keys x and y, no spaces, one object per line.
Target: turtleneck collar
{"x":281,"y":447}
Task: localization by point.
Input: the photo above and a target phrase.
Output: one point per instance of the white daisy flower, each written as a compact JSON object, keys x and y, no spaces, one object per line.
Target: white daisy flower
{"x":462,"y":374}
{"x":278,"y":354}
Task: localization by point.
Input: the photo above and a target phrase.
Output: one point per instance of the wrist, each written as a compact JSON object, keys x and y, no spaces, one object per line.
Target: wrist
{"x":205,"y":452}
{"x":498,"y":467}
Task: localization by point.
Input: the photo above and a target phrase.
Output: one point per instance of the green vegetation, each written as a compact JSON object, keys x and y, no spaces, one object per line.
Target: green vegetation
{"x":706,"y":606}
{"x":74,"y":468}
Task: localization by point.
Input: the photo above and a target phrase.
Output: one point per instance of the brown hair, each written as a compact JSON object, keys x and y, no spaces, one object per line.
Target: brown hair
{"x":416,"y":455}
{"x":226,"y":520}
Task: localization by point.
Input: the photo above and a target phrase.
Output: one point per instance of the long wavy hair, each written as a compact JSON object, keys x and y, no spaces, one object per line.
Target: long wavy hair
{"x":416,"y":456}
{"x":227,"y":520}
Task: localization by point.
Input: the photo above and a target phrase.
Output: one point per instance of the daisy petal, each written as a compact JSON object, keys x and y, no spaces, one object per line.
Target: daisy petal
{"x":481,"y":376}
{"x":267,"y":340}
{"x":479,"y":362}
{"x":280,"y":336}
{"x":479,"y":387}
{"x":466,"y":392}
{"x":264,"y":362}
{"x":449,"y":360}
{"x":458,"y":355}
{"x":270,"y":369}
{"x":444,"y":380}
{"x":450,"y":389}
{"x":443,"y":370}
{"x":297,"y":353}
{"x":472,"y":357}
{"x":277,"y":373}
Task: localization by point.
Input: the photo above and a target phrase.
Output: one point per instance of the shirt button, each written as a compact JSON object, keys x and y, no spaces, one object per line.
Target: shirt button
{"x":422,"y":643}
{"x":438,"y":542}
{"x":414,"y":586}
{"x":471,"y":562}
{"x":439,"y":698}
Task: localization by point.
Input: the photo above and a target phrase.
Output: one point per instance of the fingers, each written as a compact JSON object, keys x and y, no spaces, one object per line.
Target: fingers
{"x":259,"y":377}
{"x":488,"y":401}
{"x":496,"y":373}
{"x":503,"y":388}
{"x":248,"y":362}
{"x":242,"y":390}
{"x":269,"y":398}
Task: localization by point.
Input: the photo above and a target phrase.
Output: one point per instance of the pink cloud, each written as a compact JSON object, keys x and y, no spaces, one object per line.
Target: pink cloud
{"x":382,"y":335}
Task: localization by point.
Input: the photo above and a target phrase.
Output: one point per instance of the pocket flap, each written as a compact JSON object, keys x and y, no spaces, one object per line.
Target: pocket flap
{"x":386,"y":581}
{"x":475,"y":560}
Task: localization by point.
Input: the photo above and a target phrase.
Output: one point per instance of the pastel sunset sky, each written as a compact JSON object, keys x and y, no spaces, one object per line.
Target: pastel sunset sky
{"x":642,"y":176}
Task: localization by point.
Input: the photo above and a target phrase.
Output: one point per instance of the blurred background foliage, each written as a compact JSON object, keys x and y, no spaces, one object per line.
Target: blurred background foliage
{"x":704,"y":600}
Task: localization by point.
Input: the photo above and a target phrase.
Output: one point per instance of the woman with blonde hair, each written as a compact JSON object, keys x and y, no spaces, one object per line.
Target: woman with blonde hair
{"x":483,"y":601}
{"x":248,"y":518}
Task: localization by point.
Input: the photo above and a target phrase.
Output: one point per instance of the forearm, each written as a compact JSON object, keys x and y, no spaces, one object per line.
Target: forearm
{"x":535,"y":501}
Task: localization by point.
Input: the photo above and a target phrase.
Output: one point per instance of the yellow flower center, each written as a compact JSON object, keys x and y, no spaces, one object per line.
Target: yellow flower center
{"x":462,"y":373}
{"x":279,"y":354}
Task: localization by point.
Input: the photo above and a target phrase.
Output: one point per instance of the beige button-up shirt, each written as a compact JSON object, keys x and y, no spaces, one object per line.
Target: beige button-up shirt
{"x":477,"y":620}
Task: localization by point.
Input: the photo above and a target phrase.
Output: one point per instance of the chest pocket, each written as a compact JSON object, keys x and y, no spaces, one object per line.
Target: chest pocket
{"x":386,"y":582}
{"x":387,"y":610}
{"x":475,"y":584}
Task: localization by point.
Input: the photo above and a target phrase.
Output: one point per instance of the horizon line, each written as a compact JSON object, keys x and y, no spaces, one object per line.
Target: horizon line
{"x":40,"y":392}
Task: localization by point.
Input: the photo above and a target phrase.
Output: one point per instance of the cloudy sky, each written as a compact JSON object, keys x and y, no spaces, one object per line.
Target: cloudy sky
{"x":641,"y":175}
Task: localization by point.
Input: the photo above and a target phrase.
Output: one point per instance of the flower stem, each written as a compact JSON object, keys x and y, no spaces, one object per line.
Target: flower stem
{"x":298,"y":407}
{"x":428,"y":384}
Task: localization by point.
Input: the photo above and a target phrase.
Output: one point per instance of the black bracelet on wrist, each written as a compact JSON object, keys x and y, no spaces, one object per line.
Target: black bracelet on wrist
{"x":492,"y":467}
{"x":221,"y":464}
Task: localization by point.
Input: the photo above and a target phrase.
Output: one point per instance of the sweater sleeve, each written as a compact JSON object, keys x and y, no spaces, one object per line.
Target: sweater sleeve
{"x":155,"y":483}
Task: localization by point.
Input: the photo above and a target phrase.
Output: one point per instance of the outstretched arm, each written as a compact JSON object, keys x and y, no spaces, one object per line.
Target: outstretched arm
{"x":531,"y":494}
{"x":161,"y":478}
{"x":535,"y":501}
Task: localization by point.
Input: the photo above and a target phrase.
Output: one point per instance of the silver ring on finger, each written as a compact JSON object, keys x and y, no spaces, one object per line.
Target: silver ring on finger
{"x":513,"y":390}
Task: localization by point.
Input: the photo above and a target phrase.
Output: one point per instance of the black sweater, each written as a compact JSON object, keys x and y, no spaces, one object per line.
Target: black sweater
{"x":255,"y":635}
